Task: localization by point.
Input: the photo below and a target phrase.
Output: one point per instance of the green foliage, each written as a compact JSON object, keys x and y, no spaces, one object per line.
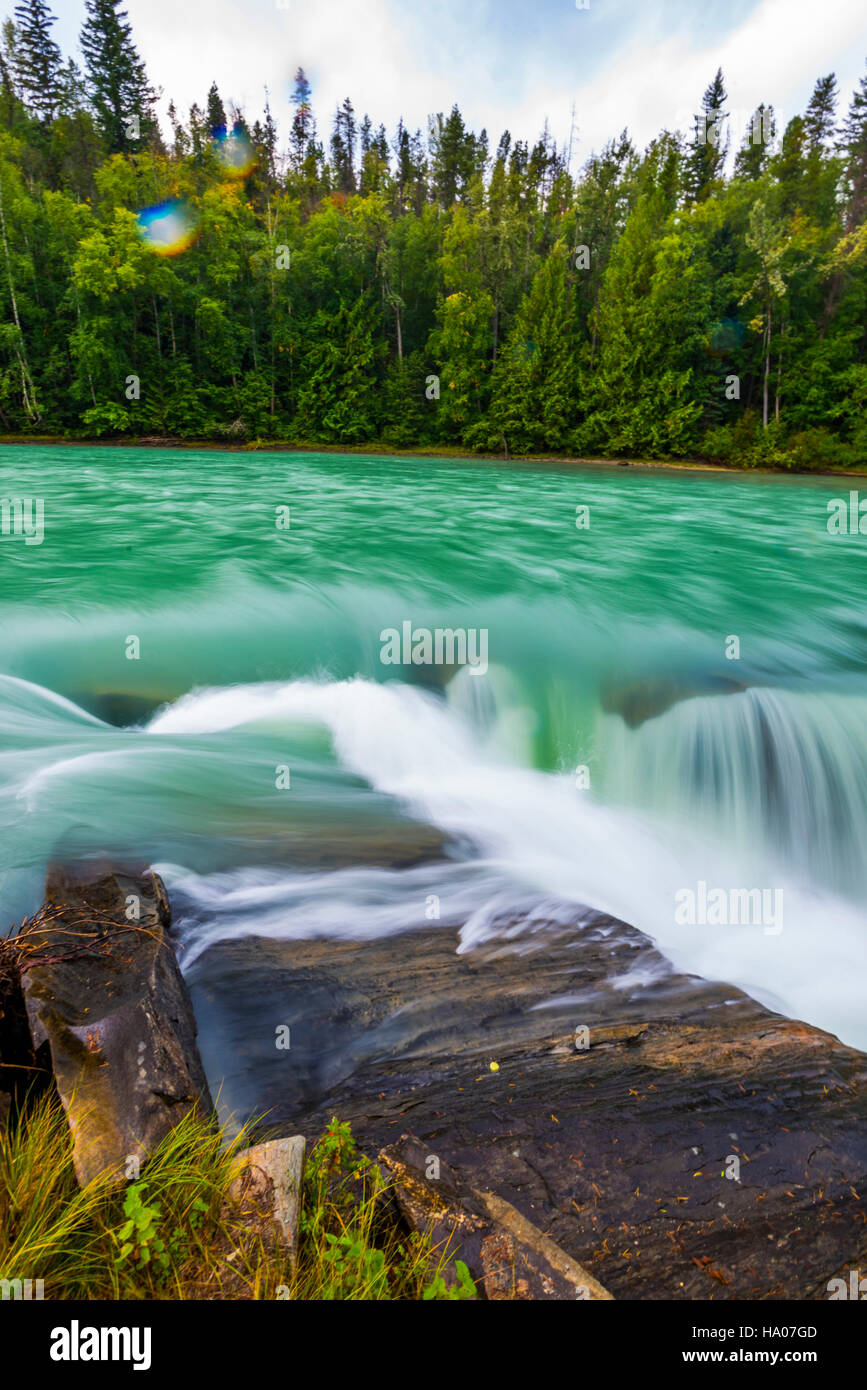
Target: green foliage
{"x":353,"y":1270}
{"x":106,"y":419}
{"x":137,"y":1238}
{"x":178,"y":1233}
{"x":316,"y":301}
{"x":463,"y":1289}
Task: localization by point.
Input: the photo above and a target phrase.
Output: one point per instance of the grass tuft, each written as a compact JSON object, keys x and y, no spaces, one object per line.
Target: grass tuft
{"x":176,"y":1232}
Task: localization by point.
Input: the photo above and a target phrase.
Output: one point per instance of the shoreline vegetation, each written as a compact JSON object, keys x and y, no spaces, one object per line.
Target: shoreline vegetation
{"x":180,"y":1231}
{"x":443,"y":452}
{"x":244,"y":277}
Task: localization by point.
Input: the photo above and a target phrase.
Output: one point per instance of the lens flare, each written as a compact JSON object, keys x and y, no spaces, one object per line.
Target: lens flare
{"x":725,"y":337}
{"x":234,"y":150}
{"x":169,"y":228}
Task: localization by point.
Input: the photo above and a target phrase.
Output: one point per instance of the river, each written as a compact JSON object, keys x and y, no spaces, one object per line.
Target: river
{"x":672,"y":705}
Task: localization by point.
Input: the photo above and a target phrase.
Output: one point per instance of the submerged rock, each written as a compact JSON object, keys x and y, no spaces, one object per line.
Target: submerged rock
{"x":104,"y":993}
{"x":646,"y":699}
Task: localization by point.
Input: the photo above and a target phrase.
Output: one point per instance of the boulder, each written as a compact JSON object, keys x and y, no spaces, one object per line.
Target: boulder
{"x":267,"y":1189}
{"x":103,"y":991}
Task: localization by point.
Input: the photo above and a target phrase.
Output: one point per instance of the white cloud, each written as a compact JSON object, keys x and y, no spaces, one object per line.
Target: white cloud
{"x":504,"y":65}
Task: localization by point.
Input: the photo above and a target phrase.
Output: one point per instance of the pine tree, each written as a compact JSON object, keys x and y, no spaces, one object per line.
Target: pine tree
{"x":853,"y":144}
{"x":819,"y":118}
{"x":216,"y":111}
{"x":73,"y":90}
{"x":535,"y":393}
{"x":710,"y":141}
{"x":454,"y":157}
{"x":121,"y":95}
{"x":303,"y":126}
{"x":343,"y":147}
{"x":9,"y":99}
{"x":37,"y":58}
{"x":758,"y":139}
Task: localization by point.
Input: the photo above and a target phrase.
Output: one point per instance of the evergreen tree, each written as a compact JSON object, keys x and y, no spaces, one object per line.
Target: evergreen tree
{"x":710,"y":142}
{"x":853,"y":145}
{"x":215,"y":111}
{"x":73,"y":89}
{"x":454,"y":157}
{"x":820,"y":115}
{"x":37,"y":58}
{"x":9,"y":101}
{"x":303,"y":131}
{"x":343,"y":141}
{"x":752,"y":157}
{"x":536,"y":386}
{"x":121,"y":95}
{"x":653,"y":314}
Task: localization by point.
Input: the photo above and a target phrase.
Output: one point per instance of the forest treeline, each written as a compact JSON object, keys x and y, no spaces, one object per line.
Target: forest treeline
{"x":705,"y":296}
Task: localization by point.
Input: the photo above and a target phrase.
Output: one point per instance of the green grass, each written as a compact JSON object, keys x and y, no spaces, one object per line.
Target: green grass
{"x":176,"y":1233}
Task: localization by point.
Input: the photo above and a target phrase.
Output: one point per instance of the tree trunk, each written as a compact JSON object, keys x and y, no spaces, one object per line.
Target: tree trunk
{"x":157,"y":322}
{"x":767,"y":371}
{"x":28,"y":390}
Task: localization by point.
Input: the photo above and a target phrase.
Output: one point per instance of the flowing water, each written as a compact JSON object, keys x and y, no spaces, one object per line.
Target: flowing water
{"x":184,"y":680}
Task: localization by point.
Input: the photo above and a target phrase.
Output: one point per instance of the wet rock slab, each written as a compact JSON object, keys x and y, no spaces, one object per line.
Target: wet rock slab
{"x":701,"y":1146}
{"x":506,"y":1256}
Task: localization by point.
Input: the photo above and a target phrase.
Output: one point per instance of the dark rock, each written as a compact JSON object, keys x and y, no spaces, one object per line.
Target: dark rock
{"x":646,"y":699}
{"x":506,"y":1255}
{"x":23,"y":1073}
{"x":104,"y":992}
{"x":619,"y":1153}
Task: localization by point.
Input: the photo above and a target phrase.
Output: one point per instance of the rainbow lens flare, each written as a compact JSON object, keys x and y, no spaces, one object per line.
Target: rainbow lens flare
{"x":234,"y":150}
{"x":169,"y":228}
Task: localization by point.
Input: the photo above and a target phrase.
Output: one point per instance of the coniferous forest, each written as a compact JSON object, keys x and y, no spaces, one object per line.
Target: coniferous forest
{"x":312,"y":278}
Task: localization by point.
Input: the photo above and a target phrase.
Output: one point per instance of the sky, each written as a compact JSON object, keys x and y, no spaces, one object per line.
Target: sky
{"x":509,"y":64}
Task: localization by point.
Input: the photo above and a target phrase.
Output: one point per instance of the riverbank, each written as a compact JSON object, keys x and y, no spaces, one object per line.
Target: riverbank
{"x":444,"y":451}
{"x":676,"y":1142}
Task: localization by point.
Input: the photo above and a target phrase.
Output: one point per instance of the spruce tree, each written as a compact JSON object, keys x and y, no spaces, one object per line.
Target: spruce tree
{"x":303,"y":126}
{"x":343,"y":147}
{"x":121,"y":95}
{"x":752,"y":156}
{"x":535,"y":397}
{"x":819,"y":118}
{"x":37,"y":58}
{"x":215,"y":109}
{"x":9,"y":100}
{"x":710,"y":143}
{"x":853,"y":145}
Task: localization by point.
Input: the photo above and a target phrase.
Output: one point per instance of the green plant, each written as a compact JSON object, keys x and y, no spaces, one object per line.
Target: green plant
{"x":354,"y":1270}
{"x":137,"y":1237}
{"x":463,"y":1289}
